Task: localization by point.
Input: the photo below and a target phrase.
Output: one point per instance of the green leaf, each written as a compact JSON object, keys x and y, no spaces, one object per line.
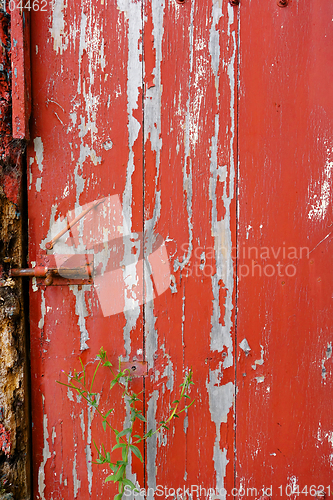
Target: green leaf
{"x":104,"y":425}
{"x":95,"y":373}
{"x":128,"y":482}
{"x":191,"y":403}
{"x":119,"y":445}
{"x":111,"y":477}
{"x":136,"y":451}
{"x":113,"y":383}
{"x":96,"y":446}
{"x":107,"y":363}
{"x":118,"y":496}
{"x":120,"y":462}
{"x":141,"y":417}
{"x":128,"y":430}
{"x":120,"y":473}
{"x":124,"y":453}
{"x":62,"y":383}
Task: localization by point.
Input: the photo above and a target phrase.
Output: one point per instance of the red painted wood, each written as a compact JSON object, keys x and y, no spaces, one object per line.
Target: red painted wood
{"x":86,"y":143}
{"x":177,"y":108}
{"x":189,"y":168}
{"x":21,"y":78}
{"x":189,"y":189}
{"x":284,"y":401}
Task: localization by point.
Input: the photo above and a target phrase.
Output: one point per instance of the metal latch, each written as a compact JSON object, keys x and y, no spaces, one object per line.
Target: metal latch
{"x":72,"y":269}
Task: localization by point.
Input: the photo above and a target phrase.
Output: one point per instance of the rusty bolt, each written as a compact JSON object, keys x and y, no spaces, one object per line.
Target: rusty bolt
{"x":234,"y":3}
{"x":283,"y":3}
{"x":49,"y":278}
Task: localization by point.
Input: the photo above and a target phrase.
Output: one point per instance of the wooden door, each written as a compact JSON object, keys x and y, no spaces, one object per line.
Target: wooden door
{"x":206,"y":127}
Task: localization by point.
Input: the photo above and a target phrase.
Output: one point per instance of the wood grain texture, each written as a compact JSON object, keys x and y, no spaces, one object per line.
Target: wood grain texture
{"x":284,"y":400}
{"x":86,"y":144}
{"x":190,"y":141}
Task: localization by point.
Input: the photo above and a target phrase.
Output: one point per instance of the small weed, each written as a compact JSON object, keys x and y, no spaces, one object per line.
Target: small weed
{"x":125,"y":440}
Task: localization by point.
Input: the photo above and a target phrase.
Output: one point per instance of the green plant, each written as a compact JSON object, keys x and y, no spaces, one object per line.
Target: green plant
{"x":125,"y":439}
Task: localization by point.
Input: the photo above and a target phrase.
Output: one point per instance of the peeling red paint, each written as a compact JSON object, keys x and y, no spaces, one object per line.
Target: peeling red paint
{"x":11,"y":186}
{"x":150,"y":51}
{"x":20,"y":60}
{"x":10,"y":149}
{"x":5,"y":442}
{"x":5,"y":89}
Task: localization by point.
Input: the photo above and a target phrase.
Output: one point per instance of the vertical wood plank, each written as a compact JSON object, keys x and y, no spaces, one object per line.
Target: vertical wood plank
{"x":190,"y":143}
{"x":284,"y":307}
{"x":86,"y":144}
{"x":21,"y":78}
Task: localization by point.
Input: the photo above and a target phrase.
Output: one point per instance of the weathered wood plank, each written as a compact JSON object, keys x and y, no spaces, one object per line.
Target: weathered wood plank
{"x":190,"y":140}
{"x":284,"y":400}
{"x":86,"y":144}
